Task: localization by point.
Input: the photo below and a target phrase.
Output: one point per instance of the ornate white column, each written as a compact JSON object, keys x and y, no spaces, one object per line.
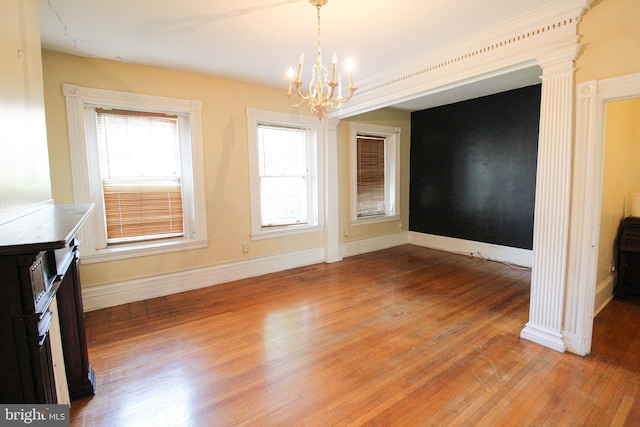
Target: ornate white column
{"x":332,"y":213}
{"x":553,"y":195}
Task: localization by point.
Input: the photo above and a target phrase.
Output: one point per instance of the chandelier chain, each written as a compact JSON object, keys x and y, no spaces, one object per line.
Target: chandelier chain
{"x":319,"y":37}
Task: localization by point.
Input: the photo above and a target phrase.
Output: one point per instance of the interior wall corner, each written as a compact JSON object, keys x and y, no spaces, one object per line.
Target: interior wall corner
{"x":331,"y":196}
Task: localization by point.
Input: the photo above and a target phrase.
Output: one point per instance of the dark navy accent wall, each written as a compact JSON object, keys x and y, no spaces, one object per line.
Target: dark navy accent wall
{"x":473,"y":168}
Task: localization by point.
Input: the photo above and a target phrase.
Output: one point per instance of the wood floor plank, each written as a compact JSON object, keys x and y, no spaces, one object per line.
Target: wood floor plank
{"x":404,"y":336}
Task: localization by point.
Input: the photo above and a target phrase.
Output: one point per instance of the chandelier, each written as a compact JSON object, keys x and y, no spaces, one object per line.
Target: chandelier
{"x":321,"y":96}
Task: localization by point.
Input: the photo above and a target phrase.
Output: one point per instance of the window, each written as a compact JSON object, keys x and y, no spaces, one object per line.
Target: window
{"x":284,"y":174}
{"x":139,"y":156}
{"x":138,"y":159}
{"x":375,"y":173}
{"x":370,"y":179}
{"x":283,"y":169}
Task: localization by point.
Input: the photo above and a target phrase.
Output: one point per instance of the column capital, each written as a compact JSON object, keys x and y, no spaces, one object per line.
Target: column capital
{"x":558,"y":61}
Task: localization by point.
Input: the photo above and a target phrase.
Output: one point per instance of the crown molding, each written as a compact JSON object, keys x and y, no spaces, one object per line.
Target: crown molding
{"x":513,"y":45}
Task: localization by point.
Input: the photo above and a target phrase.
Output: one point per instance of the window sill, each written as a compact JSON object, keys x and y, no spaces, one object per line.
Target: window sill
{"x":142,"y":249}
{"x":375,"y":219}
{"x":291,"y":230}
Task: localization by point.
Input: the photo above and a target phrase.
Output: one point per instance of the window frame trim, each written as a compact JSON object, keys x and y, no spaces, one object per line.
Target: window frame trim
{"x":83,"y":169}
{"x":392,"y":169}
{"x":316,"y":142}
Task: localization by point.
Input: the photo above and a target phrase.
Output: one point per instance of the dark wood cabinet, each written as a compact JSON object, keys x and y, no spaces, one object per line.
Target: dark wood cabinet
{"x":39,"y":262}
{"x":629,"y":258}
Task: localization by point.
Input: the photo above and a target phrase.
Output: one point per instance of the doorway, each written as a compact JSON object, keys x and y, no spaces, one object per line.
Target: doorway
{"x":620,"y":180}
{"x":588,"y":177}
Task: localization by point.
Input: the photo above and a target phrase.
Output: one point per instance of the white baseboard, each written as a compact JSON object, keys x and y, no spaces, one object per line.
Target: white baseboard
{"x":96,"y":297}
{"x":517,"y":256}
{"x":604,"y":294}
{"x":374,"y":244}
{"x":581,"y":344}
{"x":102,"y":296}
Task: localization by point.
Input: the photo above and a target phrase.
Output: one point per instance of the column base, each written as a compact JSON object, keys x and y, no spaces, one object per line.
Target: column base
{"x":543,"y":336}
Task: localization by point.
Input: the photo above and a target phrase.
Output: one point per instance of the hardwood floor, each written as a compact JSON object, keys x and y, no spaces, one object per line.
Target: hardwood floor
{"x":406,"y":336}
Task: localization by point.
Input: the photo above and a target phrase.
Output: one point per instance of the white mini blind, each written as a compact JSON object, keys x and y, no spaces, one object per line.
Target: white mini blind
{"x":139,"y":156}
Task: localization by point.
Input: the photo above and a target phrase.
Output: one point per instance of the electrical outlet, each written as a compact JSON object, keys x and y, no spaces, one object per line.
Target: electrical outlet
{"x":245,"y":249}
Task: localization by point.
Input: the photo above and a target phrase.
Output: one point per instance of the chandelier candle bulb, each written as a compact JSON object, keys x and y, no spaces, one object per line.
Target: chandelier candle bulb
{"x":334,"y":62}
{"x":300,"y":66}
{"x":290,"y":76}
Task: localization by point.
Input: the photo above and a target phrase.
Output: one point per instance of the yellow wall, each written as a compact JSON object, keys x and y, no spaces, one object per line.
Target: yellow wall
{"x":610,"y":33}
{"x":225,"y":149}
{"x":224,"y":132}
{"x":24,"y":166}
{"x":611,"y":48}
{"x":620,"y":176}
{"x":634,"y":176}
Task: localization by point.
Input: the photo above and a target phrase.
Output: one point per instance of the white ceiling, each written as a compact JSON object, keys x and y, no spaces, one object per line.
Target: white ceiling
{"x":256,"y":41}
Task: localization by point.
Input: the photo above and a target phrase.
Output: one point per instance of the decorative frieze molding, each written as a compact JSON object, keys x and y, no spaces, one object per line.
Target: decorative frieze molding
{"x":473,"y":51}
{"x":507,"y":47}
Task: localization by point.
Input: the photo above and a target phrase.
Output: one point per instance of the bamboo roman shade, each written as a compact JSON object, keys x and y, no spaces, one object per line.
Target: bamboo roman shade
{"x":139,"y":156}
{"x":370,"y":176}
